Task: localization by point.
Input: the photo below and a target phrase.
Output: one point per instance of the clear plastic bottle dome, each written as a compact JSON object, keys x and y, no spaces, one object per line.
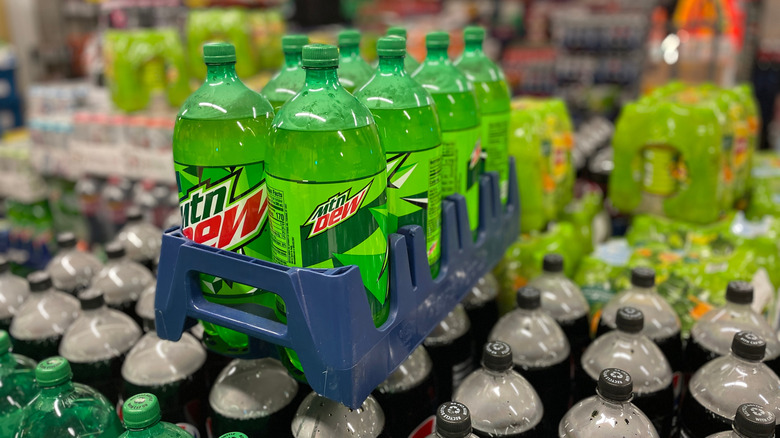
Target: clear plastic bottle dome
{"x":144,"y":308}
{"x":66,"y":409}
{"x":501,"y":401}
{"x":452,"y":421}
{"x":750,"y":421}
{"x":484,"y":291}
{"x":610,"y":413}
{"x":561,"y":298}
{"x":409,"y":374}
{"x":72,"y":270}
{"x":155,"y":362}
{"x":628,"y":349}
{"x":252,"y":389}
{"x":99,"y":333}
{"x":46,"y":314}
{"x":716,"y":329}
{"x":725,"y":383}
{"x":14,"y":291}
{"x":537,"y":341}
{"x":319,"y":417}
{"x":661,"y":321}
{"x":453,"y":326}
{"x":122,"y":280}
{"x":141,"y":239}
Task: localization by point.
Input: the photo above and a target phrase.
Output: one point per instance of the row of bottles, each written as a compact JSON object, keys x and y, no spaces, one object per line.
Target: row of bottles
{"x":334,"y":155}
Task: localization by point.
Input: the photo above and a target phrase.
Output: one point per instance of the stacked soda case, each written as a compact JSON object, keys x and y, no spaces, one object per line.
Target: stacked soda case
{"x":685,"y":152}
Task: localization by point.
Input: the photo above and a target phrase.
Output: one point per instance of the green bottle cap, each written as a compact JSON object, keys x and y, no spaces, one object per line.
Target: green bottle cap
{"x":320,"y":56}
{"x":53,"y":371}
{"x":474,"y":34}
{"x":294,"y":43}
{"x":437,"y":40}
{"x":391,"y":46}
{"x":234,"y":435}
{"x":219,"y":53}
{"x":141,"y":411}
{"x":5,"y":342}
{"x":396,"y":31}
{"x":349,"y":38}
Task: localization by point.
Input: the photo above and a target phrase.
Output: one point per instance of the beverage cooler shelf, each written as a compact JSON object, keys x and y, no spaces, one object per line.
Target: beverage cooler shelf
{"x":329,"y":324}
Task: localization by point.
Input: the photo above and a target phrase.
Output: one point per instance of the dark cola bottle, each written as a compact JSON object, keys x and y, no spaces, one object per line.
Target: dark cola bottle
{"x":502,"y":402}
{"x":540,"y":353}
{"x":628,"y":349}
{"x":319,"y":417}
{"x":408,"y":397}
{"x":451,"y":347}
{"x":750,"y":421}
{"x":718,"y":388}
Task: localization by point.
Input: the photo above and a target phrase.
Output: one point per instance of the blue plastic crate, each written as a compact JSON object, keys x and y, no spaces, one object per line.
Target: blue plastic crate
{"x":329,"y":323}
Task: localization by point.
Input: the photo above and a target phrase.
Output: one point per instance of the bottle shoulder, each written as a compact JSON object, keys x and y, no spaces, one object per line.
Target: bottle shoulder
{"x":326,"y":108}
{"x":389,"y":91}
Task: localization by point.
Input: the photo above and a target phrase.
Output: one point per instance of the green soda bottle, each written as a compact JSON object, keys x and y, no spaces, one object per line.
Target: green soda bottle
{"x":493,"y":97}
{"x":219,"y":146}
{"x":66,"y":409}
{"x":460,"y":125}
{"x":290,"y":78}
{"x":408,"y":125}
{"x":353,"y":71}
{"x":410,"y":64}
{"x":327,"y":180}
{"x":17,"y":386}
{"x":141,"y":415}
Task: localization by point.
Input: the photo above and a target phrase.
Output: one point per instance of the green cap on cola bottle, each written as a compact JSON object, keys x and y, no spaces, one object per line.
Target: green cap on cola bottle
{"x":349,"y":38}
{"x":396,"y":31}
{"x":320,"y":56}
{"x":294,"y":43}
{"x":141,"y":411}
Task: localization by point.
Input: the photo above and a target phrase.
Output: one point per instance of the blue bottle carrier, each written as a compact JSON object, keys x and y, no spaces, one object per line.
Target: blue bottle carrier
{"x":343,"y":355}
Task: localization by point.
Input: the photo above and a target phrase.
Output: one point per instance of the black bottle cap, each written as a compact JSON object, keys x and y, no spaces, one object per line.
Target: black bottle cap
{"x":5,"y":265}
{"x":529,"y":298}
{"x":754,"y":421}
{"x":39,"y":281}
{"x":552,"y":263}
{"x":630,"y":319}
{"x":615,"y":384}
{"x":66,"y":240}
{"x":497,"y":356}
{"x":134,"y":214}
{"x":739,"y":292}
{"x":748,"y":346}
{"x":643,"y":277}
{"x":453,"y":420}
{"x":115,"y":250}
{"x":91,"y":299}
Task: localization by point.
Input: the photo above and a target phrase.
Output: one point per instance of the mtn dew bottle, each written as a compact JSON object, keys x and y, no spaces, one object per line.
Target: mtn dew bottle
{"x":290,"y":78}
{"x":326,"y":183}
{"x":354,"y":71}
{"x":459,"y":119}
{"x":219,"y":147}
{"x":493,"y":97}
{"x":410,"y":64}
{"x":408,"y":126}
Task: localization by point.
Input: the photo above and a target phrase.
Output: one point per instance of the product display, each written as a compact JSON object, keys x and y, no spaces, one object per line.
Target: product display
{"x":389,"y":219}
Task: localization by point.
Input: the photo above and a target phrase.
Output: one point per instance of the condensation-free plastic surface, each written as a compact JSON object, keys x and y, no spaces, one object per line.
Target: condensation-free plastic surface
{"x":343,"y":354}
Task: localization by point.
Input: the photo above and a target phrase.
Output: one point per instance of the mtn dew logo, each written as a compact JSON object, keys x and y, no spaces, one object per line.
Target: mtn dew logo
{"x":222,"y":216}
{"x":335,"y":210}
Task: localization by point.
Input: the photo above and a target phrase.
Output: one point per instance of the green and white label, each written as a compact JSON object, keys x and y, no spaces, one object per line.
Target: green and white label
{"x":462,"y":166}
{"x":495,"y":144}
{"x":326,"y":225}
{"x":227,"y":208}
{"x":414,"y":194}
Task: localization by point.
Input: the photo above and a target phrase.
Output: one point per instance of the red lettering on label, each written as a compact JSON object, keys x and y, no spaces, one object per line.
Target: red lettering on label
{"x":250,"y":215}
{"x":208,"y":229}
{"x":424,"y":429}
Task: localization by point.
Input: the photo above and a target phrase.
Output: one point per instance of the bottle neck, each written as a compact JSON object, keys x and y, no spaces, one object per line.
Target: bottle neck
{"x":218,"y":74}
{"x":473,"y":48}
{"x":610,"y":402}
{"x":738,"y":307}
{"x":292,"y":59}
{"x":322,"y":77}
{"x":745,"y":362}
{"x":437,"y":54}
{"x":157,"y":429}
{"x":644,"y":290}
{"x":7,"y":361}
{"x":392,"y":65}
{"x":628,"y":336}
{"x":349,"y":51}
{"x":54,"y":391}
